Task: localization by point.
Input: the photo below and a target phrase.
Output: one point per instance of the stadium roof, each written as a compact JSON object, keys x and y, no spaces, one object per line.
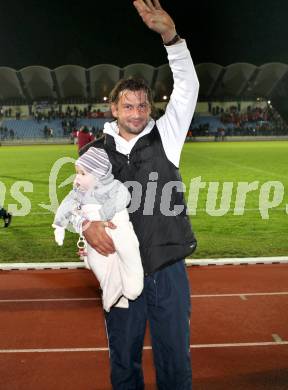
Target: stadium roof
{"x":73,"y":82}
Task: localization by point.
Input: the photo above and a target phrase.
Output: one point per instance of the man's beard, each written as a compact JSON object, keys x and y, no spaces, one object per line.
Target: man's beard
{"x":130,"y":130}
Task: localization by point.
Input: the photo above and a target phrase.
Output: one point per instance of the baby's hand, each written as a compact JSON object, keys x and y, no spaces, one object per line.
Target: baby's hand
{"x":59,"y":234}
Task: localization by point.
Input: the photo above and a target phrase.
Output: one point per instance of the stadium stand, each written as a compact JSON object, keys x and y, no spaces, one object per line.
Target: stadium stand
{"x":29,"y":128}
{"x":212,"y":123}
{"x":226,"y":91}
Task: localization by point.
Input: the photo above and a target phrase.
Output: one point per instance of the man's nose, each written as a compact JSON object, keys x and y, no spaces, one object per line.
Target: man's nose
{"x":136,"y":112}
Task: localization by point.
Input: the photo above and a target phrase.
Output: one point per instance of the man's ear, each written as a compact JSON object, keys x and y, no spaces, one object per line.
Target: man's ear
{"x":114,"y":110}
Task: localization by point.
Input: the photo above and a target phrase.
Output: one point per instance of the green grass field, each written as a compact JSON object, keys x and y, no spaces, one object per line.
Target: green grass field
{"x":30,"y":237}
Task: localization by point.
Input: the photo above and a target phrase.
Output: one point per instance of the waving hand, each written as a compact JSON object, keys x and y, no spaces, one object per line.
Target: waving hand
{"x":154,"y":16}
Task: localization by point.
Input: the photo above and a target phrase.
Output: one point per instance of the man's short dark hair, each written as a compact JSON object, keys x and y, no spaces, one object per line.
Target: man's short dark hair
{"x":130,"y":84}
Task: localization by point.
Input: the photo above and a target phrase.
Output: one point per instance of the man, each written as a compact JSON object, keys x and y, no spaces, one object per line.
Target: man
{"x":6,"y":217}
{"x":146,"y":154}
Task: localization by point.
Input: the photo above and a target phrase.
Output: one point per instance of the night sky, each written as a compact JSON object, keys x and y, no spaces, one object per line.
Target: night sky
{"x":87,"y":33}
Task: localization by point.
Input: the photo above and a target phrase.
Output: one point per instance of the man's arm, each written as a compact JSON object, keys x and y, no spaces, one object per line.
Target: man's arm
{"x":173,"y":126}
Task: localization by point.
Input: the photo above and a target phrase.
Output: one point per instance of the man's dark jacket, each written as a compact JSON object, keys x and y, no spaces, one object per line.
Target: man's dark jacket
{"x":163,"y":239}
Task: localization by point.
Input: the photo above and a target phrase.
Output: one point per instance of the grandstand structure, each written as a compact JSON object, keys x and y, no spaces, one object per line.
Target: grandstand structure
{"x":241,"y":85}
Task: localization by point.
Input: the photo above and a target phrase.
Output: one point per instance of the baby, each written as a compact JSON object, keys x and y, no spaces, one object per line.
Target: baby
{"x":97,"y":196}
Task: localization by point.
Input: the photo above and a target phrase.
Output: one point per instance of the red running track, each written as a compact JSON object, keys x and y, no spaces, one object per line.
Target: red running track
{"x":52,"y":334}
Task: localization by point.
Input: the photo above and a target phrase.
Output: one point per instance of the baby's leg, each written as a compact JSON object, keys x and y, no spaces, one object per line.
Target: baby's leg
{"x":127,"y":247}
{"x":106,"y":270}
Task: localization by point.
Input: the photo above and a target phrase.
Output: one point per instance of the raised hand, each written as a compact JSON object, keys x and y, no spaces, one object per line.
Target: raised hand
{"x":154,"y":16}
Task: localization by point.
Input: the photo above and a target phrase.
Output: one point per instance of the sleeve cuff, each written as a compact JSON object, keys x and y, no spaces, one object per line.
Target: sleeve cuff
{"x":177,"y":47}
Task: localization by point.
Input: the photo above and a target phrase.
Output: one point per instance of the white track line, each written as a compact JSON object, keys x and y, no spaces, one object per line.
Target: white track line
{"x":260,"y":294}
{"x":48,"y":300}
{"x":236,"y":345}
{"x":148,"y":347}
{"x":239,"y":295}
{"x":53,"y":350}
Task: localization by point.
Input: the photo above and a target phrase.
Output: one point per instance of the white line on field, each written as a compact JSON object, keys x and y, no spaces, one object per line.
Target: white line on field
{"x":241,"y":166}
{"x":245,"y":209}
{"x":148,"y":347}
{"x":198,"y":209}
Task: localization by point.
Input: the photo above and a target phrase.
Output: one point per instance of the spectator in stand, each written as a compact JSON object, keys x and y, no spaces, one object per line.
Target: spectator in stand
{"x":46,"y":132}
{"x":84,"y":136}
{"x":222,"y":134}
{"x":99,"y":113}
{"x":11,"y":133}
{"x":189,"y":135}
{"x":73,"y":136}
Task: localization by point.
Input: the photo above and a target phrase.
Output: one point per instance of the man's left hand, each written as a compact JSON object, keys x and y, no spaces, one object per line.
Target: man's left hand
{"x":154,"y":16}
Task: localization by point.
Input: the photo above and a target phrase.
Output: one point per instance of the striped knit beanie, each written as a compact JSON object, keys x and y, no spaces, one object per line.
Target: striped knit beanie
{"x":95,"y":161}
